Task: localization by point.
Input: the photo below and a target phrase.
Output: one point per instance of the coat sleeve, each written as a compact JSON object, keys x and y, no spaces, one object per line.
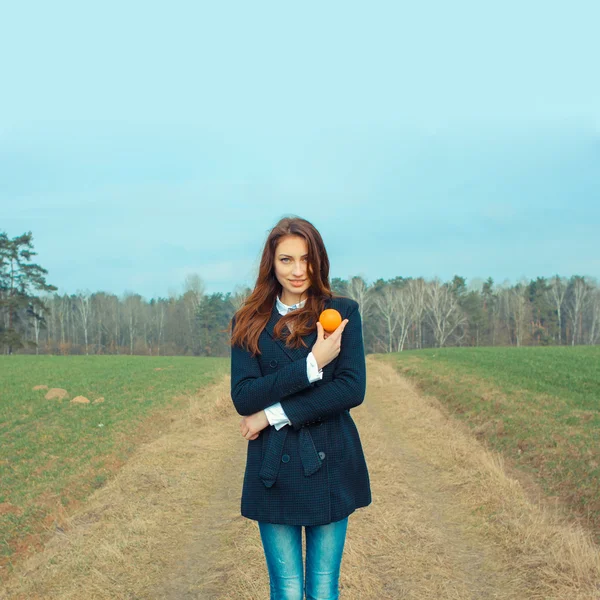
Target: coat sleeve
{"x":345,"y":391}
{"x":252,"y":392}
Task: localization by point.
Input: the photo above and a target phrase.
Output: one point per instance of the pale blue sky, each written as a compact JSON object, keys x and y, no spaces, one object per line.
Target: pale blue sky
{"x":140,"y":142}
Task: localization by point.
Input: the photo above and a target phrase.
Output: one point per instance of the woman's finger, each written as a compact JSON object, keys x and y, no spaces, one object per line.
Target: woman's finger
{"x":320,"y":331}
{"x":340,"y":328}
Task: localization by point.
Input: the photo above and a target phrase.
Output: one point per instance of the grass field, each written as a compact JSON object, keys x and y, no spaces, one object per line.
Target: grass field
{"x":54,"y":453}
{"x":538,"y":406}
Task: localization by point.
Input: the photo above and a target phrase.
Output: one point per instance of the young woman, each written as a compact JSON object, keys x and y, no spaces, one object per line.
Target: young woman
{"x":294,"y":384}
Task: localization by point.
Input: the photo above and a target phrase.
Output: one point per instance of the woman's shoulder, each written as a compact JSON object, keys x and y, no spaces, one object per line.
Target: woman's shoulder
{"x":343,"y":304}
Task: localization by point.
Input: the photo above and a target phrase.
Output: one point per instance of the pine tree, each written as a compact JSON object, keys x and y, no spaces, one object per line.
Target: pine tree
{"x":18,"y":279}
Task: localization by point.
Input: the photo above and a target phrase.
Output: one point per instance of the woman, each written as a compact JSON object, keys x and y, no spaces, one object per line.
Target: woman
{"x":294,"y":385}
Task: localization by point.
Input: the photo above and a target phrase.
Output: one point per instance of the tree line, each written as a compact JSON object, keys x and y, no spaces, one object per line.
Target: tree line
{"x":398,"y":314}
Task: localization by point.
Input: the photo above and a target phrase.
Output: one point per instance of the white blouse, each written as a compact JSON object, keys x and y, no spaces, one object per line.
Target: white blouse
{"x":275,"y":413}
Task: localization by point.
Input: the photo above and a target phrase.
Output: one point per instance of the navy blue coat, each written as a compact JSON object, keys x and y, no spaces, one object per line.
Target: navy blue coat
{"x":312,"y":472}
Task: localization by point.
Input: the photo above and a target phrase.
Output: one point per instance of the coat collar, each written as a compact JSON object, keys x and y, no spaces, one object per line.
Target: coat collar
{"x":293,"y":353}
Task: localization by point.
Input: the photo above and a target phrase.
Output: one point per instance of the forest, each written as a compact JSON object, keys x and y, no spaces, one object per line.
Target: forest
{"x":402,"y":313}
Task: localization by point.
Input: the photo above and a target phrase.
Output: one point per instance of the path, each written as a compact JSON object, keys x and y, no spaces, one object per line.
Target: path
{"x":446,"y":521}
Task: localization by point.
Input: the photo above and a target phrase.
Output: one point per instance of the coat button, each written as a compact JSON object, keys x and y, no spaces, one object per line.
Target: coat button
{"x":273,"y":364}
{"x":285,"y":458}
{"x":321,"y":455}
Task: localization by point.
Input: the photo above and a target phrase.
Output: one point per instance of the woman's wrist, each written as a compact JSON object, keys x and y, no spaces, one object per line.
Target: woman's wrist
{"x":317,"y":360}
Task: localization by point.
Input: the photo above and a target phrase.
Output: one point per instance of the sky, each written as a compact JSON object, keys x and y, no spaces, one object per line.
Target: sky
{"x":142,"y":142}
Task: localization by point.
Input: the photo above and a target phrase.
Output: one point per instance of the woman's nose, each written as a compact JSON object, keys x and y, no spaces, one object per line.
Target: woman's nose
{"x":299,"y":269}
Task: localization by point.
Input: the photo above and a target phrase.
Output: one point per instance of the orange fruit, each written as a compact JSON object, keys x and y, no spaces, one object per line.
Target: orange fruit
{"x":330,"y":319}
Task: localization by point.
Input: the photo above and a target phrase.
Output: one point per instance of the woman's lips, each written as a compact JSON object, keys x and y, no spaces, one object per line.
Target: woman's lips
{"x":296,"y":282}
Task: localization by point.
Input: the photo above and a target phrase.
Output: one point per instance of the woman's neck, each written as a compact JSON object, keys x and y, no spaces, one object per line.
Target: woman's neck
{"x":291,"y":299}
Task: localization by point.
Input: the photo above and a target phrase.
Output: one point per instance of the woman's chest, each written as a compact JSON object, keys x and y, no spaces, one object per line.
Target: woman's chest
{"x":274,"y":356}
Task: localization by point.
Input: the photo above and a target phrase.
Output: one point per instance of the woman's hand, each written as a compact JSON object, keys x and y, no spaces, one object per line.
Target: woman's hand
{"x":328,"y":345}
{"x":252,"y":425}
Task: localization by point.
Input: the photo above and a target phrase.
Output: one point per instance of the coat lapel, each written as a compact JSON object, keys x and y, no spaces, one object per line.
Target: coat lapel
{"x":293,"y":353}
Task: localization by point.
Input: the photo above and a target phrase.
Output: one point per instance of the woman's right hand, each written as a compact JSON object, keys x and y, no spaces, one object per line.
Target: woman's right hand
{"x":328,"y":345}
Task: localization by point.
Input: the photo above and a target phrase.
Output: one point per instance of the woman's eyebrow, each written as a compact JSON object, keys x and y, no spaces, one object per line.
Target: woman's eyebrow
{"x":290,"y":256}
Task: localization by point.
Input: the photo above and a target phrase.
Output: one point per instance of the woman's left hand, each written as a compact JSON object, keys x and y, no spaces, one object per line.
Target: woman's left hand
{"x":252,"y":425}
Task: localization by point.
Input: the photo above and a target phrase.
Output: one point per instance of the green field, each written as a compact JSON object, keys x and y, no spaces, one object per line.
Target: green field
{"x":539,"y":406}
{"x":53,"y":451}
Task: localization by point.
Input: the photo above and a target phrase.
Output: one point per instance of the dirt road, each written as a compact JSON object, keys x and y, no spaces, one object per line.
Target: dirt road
{"x":446,"y":521}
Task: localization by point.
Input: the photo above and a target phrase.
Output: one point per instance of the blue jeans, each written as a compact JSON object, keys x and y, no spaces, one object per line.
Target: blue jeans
{"x":283,"y":553}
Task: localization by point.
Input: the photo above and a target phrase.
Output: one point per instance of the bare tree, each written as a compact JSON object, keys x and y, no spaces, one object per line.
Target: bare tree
{"x":64,"y":308}
{"x":513,"y":311}
{"x":38,"y":307}
{"x":386,"y":304}
{"x":394,"y":305}
{"x":101,"y":309}
{"x":594,"y":327}
{"x":84,"y":310}
{"x":193,"y":297}
{"x":132,"y":310}
{"x":194,"y":291}
{"x":406,"y":310}
{"x":444,"y":313}
{"x":417,"y":289}
{"x":240,"y":293}
{"x":556,"y":295}
{"x":116,"y":322}
{"x":156,"y":321}
{"x":520,"y":309}
{"x":358,"y":290}
{"x":575,"y":305}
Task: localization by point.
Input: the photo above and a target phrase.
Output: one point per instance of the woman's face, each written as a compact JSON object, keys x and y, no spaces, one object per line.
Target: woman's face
{"x":291,"y":268}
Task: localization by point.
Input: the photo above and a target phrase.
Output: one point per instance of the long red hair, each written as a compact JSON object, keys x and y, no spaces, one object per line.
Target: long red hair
{"x":252,"y":317}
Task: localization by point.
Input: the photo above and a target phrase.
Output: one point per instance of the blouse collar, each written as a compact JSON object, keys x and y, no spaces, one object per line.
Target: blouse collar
{"x":284,"y":308}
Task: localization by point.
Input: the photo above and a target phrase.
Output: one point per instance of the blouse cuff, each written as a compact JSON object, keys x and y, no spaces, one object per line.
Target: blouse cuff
{"x":276,"y":416}
{"x":312,"y":370}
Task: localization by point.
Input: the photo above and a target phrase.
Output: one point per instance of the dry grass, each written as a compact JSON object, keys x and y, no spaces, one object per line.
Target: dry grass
{"x":121,"y":544}
{"x":446,"y":521}
{"x":488,"y":537}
